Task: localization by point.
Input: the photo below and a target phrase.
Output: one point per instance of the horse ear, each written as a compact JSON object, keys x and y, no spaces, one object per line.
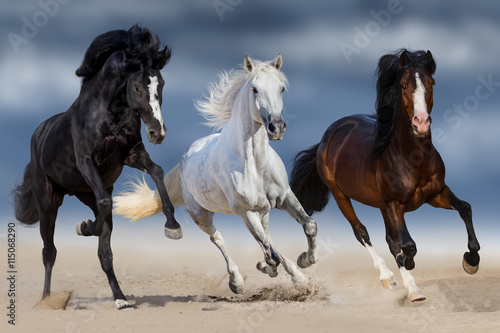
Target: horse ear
{"x":248,"y":64}
{"x":430,"y":60}
{"x":278,"y":62}
{"x":428,"y":56}
{"x":403,"y":59}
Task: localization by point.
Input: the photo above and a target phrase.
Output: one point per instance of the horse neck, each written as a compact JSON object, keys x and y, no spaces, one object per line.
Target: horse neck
{"x":109,"y":88}
{"x":243,"y":135}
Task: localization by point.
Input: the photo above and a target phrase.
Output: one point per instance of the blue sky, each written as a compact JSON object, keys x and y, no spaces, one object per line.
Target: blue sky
{"x":330,"y":50}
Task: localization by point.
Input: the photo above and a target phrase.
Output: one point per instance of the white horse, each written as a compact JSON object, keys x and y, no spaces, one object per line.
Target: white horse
{"x":235,"y":171}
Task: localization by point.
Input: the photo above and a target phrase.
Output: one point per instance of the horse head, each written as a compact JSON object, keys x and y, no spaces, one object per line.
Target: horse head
{"x":416,"y":90}
{"x":265,"y":91}
{"x":144,"y":95}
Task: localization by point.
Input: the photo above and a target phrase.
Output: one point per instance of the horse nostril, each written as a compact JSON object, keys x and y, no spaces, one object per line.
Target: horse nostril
{"x":152,"y":134}
{"x":271,"y":127}
{"x":284,"y":126}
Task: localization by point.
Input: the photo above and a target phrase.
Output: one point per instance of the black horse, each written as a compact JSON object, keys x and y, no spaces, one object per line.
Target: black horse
{"x":82,"y":151}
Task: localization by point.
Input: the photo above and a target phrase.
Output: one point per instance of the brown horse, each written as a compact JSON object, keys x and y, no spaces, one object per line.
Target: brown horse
{"x":385,"y":161}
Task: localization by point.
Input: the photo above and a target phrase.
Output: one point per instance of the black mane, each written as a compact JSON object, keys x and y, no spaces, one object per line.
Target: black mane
{"x":389,"y":73}
{"x":138,"y":44}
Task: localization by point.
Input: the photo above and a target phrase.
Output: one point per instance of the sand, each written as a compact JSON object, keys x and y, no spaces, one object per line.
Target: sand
{"x":182,"y":286}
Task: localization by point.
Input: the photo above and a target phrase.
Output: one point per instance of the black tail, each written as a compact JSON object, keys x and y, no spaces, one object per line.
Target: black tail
{"x":305,"y":182}
{"x":24,"y":205}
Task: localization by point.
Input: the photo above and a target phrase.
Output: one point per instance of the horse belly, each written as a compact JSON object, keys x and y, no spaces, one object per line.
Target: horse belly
{"x":351,"y":167}
{"x":199,"y":179}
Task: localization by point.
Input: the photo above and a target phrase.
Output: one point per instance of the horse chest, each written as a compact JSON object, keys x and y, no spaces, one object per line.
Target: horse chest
{"x":250,"y":191}
{"x":418,"y":194}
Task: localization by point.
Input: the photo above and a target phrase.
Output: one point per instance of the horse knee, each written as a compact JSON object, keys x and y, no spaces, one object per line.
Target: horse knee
{"x":105,"y":205}
{"x":409,"y":249}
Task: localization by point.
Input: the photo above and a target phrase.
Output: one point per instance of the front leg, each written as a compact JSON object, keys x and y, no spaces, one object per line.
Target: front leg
{"x":138,"y":158}
{"x":446,"y":199}
{"x":292,"y":205}
{"x":402,"y":247}
{"x":92,"y":177}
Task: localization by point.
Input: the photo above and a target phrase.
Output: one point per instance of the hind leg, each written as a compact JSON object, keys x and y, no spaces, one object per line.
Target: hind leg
{"x":49,"y":252}
{"x":253,"y":222}
{"x":48,"y":203}
{"x":446,"y":199}
{"x":294,"y":208}
{"x":104,"y":251}
{"x":204,"y":219}
{"x":386,"y":276}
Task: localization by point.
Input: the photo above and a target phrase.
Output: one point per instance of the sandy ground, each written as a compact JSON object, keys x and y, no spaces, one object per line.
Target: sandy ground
{"x":178,"y":287}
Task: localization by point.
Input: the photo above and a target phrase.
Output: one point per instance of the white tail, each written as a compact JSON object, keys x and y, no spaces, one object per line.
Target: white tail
{"x":141,"y":201}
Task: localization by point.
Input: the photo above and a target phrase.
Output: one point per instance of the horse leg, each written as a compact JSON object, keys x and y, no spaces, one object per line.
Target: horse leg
{"x":262,"y":266}
{"x":104,"y":251}
{"x":104,"y":203}
{"x":386,"y":276}
{"x":394,"y":222}
{"x":292,"y":205}
{"x":138,"y":158}
{"x":204,"y":220}
{"x":48,"y":203}
{"x":446,"y":199}
{"x":272,"y":257}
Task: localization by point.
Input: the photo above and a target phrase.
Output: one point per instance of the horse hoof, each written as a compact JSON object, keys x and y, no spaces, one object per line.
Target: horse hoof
{"x":123,"y":304}
{"x":468,"y":268}
{"x":266,"y":269}
{"x":416,"y":296}
{"x":173,"y":233}
{"x":300,"y":282}
{"x":81,"y":227}
{"x":389,"y":283}
{"x":236,"y":284}
{"x":303,"y":261}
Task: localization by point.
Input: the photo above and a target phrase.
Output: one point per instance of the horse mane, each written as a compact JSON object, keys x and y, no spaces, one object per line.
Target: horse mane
{"x":389,"y":73}
{"x":217,"y":106}
{"x":138,"y":44}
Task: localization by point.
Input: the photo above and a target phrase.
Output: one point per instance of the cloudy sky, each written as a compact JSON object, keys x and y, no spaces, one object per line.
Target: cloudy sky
{"x":330,"y":50}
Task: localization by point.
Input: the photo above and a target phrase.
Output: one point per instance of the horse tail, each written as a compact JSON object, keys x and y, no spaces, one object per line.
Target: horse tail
{"x":24,"y":201}
{"x":305,"y":182}
{"x":140,"y":201}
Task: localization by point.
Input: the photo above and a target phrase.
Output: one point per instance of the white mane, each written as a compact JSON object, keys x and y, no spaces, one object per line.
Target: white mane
{"x":216,"y":108}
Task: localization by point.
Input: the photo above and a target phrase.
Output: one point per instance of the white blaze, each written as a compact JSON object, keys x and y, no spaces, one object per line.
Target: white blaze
{"x":153,"y":99}
{"x":419,"y":104}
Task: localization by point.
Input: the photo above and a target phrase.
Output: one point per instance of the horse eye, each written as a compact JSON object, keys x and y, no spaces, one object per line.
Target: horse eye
{"x":403,"y":86}
{"x":137,"y":89}
{"x":282,"y":89}
{"x":255,"y":91}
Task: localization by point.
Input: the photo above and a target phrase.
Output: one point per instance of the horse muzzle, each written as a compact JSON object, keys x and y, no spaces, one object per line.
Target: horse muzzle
{"x":156,"y":137}
{"x":421,"y":125}
{"x":276,"y":129}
